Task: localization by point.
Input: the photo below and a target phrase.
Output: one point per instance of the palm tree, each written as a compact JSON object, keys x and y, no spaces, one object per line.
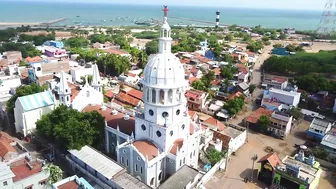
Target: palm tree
{"x":56,"y":173}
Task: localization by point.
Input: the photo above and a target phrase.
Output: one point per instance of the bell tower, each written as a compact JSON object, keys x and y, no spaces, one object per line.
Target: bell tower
{"x":164,"y":118}
{"x":64,"y":90}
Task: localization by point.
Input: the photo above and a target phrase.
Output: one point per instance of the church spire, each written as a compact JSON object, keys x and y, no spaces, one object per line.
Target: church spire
{"x":96,"y":81}
{"x":165,"y":31}
{"x":64,"y":90}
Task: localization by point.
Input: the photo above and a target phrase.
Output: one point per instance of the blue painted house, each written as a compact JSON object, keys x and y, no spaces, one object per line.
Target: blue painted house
{"x":57,"y":44}
{"x":319,"y":128}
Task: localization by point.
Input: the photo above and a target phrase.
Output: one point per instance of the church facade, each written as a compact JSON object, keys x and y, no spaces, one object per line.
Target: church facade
{"x":161,"y":137}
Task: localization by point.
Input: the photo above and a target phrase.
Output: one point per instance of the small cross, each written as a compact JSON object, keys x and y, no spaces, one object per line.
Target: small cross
{"x":165,"y":10}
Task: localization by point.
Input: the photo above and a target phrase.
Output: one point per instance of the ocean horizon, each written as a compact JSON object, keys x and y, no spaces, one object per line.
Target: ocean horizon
{"x":111,"y":14}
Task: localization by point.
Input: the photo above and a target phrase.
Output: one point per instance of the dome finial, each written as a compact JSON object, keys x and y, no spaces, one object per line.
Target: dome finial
{"x":165,"y":11}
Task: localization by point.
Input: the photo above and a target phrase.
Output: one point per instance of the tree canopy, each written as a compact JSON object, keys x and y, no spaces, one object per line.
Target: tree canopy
{"x":214,"y":155}
{"x":152,"y":47}
{"x":56,"y":173}
{"x":25,"y":49}
{"x":235,"y":105}
{"x":115,"y":64}
{"x":23,"y":90}
{"x":264,"y":122}
{"x":36,"y":39}
{"x":76,"y":42}
{"x":70,"y":129}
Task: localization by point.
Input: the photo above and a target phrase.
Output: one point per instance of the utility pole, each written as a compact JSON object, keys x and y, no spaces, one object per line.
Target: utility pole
{"x":254,"y":158}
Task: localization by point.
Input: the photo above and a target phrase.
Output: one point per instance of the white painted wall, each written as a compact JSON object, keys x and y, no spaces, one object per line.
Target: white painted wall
{"x":8,"y":83}
{"x":26,"y":121}
{"x":77,"y":73}
{"x":87,"y":95}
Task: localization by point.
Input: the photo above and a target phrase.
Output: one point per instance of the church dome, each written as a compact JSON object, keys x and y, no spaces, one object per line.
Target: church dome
{"x":164,"y":70}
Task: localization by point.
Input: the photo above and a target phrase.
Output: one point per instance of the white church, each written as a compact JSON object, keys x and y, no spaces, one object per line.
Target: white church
{"x":160,"y":138}
{"x":29,"y":109}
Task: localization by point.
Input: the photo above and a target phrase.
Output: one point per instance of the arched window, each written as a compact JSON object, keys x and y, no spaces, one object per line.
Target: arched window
{"x":161,"y":97}
{"x":160,"y":176}
{"x":170,"y":96}
{"x":153,"y":96}
{"x":67,"y":98}
{"x":178,"y":94}
{"x":87,"y":93}
{"x":147,"y":94}
{"x":152,"y":181}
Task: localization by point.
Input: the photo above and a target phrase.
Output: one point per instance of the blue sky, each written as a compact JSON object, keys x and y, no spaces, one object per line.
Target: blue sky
{"x":279,"y":4}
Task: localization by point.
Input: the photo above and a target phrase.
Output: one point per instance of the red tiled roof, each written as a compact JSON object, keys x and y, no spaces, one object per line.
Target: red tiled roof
{"x":22,"y":171}
{"x":224,"y":138}
{"x":125,"y":98}
{"x":192,"y":79}
{"x":201,"y":58}
{"x":135,"y":93}
{"x":215,"y":82}
{"x":115,"y":51}
{"x":146,"y":148}
{"x":214,"y":122}
{"x":176,"y":145}
{"x":242,"y":68}
{"x":131,"y":74}
{"x":33,"y":59}
{"x":69,"y":185}
{"x":194,"y":70}
{"x":191,"y":113}
{"x":254,"y":117}
{"x":194,"y":93}
{"x":125,"y":126}
{"x":217,"y":71}
{"x":185,"y":60}
{"x":279,"y":79}
{"x":272,"y":158}
{"x":109,"y":94}
{"x":5,"y":144}
{"x":234,"y":95}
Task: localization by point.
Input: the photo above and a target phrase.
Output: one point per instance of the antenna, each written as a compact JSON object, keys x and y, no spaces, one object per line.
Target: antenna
{"x":327,"y":25}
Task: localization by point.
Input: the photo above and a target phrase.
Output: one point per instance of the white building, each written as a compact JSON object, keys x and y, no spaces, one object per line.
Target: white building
{"x":72,"y":182}
{"x":329,"y":143}
{"x":234,"y":137}
{"x":28,"y":109}
{"x":161,"y":138}
{"x":104,"y":172}
{"x":291,"y":98}
{"x":23,"y":174}
{"x":78,"y":73}
{"x":281,"y":123}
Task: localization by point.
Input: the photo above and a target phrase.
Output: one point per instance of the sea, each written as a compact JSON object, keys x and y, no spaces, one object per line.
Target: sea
{"x":125,"y":15}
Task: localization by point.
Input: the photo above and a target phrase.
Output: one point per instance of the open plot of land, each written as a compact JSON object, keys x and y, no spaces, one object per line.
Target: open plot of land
{"x":240,"y":165}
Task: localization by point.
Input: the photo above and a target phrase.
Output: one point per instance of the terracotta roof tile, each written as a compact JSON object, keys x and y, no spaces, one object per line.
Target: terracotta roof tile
{"x":215,"y":123}
{"x":185,"y":60}
{"x":33,"y":59}
{"x":146,"y":148}
{"x":191,"y":129}
{"x":125,"y":98}
{"x":69,"y":185}
{"x":216,"y":82}
{"x":224,"y":138}
{"x":135,"y":93}
{"x":22,"y":171}
{"x":254,"y":117}
{"x":176,"y":145}
{"x":109,"y":94}
{"x":194,"y":70}
{"x":125,"y":126}
{"x":192,"y":93}
{"x":131,"y":74}
{"x":192,"y":79}
{"x":217,"y":71}
{"x":234,"y":95}
{"x":272,"y":158}
{"x":191,"y":113}
{"x":5,"y":144}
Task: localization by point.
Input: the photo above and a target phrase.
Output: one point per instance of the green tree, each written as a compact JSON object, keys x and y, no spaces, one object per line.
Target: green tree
{"x":264,"y":122}
{"x":56,"y":173}
{"x":208,"y":78}
{"x":255,"y":46}
{"x":25,"y":49}
{"x":252,"y":87}
{"x":152,"y":47}
{"x":235,"y":105}
{"x":23,"y":90}
{"x":214,"y":156}
{"x":282,"y":36}
{"x":296,"y":113}
{"x":277,"y":46}
{"x":228,"y":37}
{"x":198,"y":85}
{"x":77,"y":42}
{"x":115,"y":64}
{"x":70,"y":129}
{"x":226,"y":72}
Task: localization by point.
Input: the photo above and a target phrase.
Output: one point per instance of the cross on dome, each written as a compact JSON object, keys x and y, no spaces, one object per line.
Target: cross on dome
{"x":165,"y":12}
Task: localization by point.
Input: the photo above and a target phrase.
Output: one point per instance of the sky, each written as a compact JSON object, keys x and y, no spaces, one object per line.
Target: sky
{"x":264,"y":4}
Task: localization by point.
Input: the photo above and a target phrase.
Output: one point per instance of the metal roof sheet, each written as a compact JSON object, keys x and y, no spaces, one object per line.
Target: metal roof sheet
{"x":38,"y":100}
{"x":97,"y":161}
